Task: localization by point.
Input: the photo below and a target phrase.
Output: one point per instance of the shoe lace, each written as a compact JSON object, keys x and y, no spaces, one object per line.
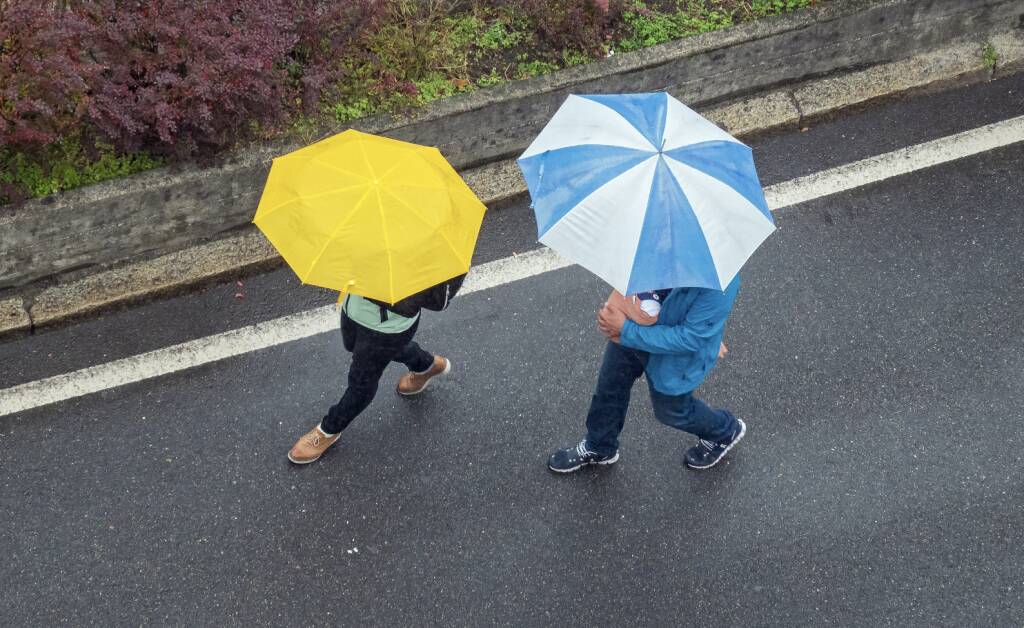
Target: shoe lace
{"x":582,"y":450}
{"x":313,"y":438}
{"x":708,"y":444}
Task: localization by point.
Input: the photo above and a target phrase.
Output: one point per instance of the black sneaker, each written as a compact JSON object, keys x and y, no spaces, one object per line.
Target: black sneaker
{"x":706,"y":454}
{"x":572,"y":458}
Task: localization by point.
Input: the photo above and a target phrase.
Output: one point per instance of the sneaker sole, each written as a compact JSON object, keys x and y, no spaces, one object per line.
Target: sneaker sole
{"x":447,"y":370}
{"x":743,"y":432}
{"x":294,"y":461}
{"x":611,"y":460}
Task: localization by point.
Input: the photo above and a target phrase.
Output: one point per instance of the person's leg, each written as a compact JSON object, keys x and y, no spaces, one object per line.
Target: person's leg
{"x":689,"y":414}
{"x":411,"y":354}
{"x":372,"y":351}
{"x":423,"y":367}
{"x":415,"y":358}
{"x":620,"y":369}
{"x":349,"y":331}
{"x":717,"y":429}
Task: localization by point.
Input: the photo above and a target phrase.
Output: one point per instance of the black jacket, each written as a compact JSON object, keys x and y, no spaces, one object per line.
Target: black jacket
{"x":434,"y":298}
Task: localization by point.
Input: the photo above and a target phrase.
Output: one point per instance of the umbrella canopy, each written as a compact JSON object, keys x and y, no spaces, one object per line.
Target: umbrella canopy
{"x":370,"y":215}
{"x":645,"y":193}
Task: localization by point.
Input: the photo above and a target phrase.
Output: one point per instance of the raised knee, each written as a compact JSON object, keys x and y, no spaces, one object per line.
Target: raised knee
{"x":676,"y":413}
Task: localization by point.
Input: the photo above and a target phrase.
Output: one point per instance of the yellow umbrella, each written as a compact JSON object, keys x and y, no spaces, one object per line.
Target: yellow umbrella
{"x":370,"y":215}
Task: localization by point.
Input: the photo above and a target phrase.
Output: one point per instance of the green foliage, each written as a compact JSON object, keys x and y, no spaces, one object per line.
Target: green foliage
{"x":491,"y":78}
{"x":527,"y":67}
{"x":764,"y":8}
{"x":647,"y":28}
{"x":409,"y":49}
{"x":64,"y":165}
{"x":475,"y":34}
{"x":364,"y":57}
{"x":989,"y":56}
{"x":464,"y":30}
{"x":502,"y":36}
{"x":357,"y":107}
{"x":437,"y":85}
{"x":571,"y":58}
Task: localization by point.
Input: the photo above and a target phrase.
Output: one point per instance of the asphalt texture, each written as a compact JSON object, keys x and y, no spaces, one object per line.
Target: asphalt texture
{"x":876,"y":357}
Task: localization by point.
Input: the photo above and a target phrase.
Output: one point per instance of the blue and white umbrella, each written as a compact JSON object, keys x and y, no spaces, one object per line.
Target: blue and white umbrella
{"x":645,"y":193}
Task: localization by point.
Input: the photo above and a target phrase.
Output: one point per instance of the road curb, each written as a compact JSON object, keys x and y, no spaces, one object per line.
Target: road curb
{"x":247,"y":251}
{"x":14,"y":316}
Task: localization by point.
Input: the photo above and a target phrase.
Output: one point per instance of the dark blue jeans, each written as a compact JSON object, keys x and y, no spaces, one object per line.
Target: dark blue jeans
{"x":372,"y":351}
{"x":622,"y":366}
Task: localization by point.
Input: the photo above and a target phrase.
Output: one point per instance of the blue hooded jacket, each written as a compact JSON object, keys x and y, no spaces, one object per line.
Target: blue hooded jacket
{"x":683,"y":344}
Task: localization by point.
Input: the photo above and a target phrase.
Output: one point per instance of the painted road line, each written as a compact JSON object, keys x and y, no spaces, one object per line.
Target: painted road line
{"x":896,"y":163}
{"x":305,"y":324}
{"x":240,"y":341}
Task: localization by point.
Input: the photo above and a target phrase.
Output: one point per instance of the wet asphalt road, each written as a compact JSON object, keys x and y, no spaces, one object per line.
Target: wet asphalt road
{"x":877,"y":357}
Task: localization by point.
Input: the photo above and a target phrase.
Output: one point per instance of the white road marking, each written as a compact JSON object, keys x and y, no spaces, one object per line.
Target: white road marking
{"x":305,"y":324}
{"x":898,"y":162}
{"x":240,"y":341}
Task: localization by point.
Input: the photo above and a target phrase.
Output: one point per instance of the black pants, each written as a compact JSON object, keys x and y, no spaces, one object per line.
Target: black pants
{"x":371,"y":351}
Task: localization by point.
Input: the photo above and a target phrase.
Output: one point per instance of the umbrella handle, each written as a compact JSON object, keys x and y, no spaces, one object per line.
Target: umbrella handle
{"x":344,"y":291}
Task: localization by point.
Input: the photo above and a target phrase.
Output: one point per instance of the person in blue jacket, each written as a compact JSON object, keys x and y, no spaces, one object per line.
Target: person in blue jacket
{"x":676,"y":351}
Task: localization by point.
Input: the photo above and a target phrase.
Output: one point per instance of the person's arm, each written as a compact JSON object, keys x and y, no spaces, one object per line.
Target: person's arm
{"x":631,"y":308}
{"x":704,"y":320}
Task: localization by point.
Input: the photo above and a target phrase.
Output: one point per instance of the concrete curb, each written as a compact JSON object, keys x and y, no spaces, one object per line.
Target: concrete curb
{"x":13,"y":316}
{"x":247,"y":250}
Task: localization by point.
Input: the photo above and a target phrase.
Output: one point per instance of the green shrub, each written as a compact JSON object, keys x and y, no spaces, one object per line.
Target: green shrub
{"x":63,"y":165}
{"x":527,"y":68}
{"x":312,"y":61}
{"x":989,"y":56}
{"x":502,"y":36}
{"x":764,"y":8}
{"x":491,"y":78}
{"x":646,"y":28}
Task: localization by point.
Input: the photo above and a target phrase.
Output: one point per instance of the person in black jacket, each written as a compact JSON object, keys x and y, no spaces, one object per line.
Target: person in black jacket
{"x":377,"y":334}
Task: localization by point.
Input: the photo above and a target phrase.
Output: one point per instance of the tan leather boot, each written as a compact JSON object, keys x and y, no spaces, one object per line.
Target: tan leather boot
{"x":415,"y":383}
{"x":311,"y":446}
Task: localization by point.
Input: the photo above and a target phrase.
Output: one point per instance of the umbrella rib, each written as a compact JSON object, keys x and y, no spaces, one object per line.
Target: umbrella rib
{"x":366,"y":160}
{"x":308,"y":196}
{"x":417,"y":212}
{"x":383,"y":224}
{"x":387,"y":248}
{"x":337,"y":228}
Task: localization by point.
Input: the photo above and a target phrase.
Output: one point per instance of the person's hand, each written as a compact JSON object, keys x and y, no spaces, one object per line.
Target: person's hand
{"x":722,"y":351}
{"x":610,"y":321}
{"x":631,"y":308}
